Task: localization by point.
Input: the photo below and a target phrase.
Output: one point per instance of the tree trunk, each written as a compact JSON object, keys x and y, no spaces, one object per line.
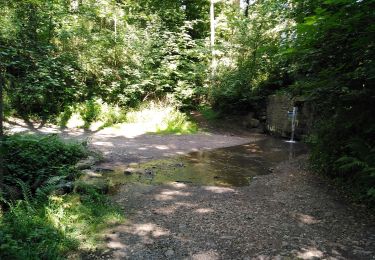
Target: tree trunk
{"x":213,"y":25}
{"x":247,"y":8}
{"x":2,"y":82}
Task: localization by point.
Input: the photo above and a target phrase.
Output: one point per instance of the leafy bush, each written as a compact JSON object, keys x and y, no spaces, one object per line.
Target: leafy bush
{"x":90,"y":112}
{"x":208,"y":112}
{"x":34,"y":159}
{"x":94,"y":114}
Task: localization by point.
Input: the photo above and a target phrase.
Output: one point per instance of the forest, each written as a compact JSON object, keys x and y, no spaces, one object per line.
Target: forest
{"x":100,"y":59}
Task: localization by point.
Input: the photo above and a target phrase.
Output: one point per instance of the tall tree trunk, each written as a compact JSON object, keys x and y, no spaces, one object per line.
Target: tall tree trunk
{"x":213,"y":25}
{"x":2,"y":82}
{"x":1,"y":107}
{"x":247,"y":8}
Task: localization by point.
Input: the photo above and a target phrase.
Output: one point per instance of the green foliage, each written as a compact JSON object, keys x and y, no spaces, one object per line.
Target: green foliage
{"x":333,"y":65}
{"x":56,"y":55}
{"x":93,"y":114}
{"x":38,"y":224}
{"x":34,"y":159}
{"x":161,"y":117}
{"x":55,"y":227}
{"x":248,"y":54}
{"x":208,"y":112}
{"x":90,"y":112}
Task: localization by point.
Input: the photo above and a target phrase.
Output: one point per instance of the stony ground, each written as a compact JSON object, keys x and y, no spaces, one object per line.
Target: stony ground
{"x":288,"y":214}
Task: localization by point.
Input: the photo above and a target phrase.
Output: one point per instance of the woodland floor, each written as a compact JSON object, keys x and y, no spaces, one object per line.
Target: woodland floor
{"x":287,"y":214}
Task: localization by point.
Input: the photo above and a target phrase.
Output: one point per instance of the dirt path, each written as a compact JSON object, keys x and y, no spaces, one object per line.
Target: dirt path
{"x":288,"y":214}
{"x":129,"y":144}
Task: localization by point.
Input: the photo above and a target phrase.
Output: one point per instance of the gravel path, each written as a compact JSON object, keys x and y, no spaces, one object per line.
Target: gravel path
{"x":288,"y":214}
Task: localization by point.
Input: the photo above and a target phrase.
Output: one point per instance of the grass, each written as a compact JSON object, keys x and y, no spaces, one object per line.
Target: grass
{"x":161,"y":118}
{"x":56,"y":228}
{"x":208,"y":113}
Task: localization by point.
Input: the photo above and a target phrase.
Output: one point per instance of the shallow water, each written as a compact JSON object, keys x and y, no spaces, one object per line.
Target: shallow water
{"x":232,"y":166}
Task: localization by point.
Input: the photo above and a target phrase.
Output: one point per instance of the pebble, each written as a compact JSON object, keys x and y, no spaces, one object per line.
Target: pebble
{"x":169,"y":253}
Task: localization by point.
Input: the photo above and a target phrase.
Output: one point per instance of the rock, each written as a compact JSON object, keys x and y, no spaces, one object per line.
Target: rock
{"x":130,"y":171}
{"x":246,"y":122}
{"x":149,"y":172}
{"x":64,"y":188}
{"x":254,"y":123}
{"x":91,"y":174}
{"x":86,"y":163}
{"x":271,"y":169}
{"x":99,"y":185}
{"x":104,"y":170}
{"x":169,"y":253}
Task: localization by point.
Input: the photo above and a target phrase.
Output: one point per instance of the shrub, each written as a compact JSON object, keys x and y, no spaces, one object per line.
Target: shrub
{"x":90,"y":112}
{"x":34,"y":159}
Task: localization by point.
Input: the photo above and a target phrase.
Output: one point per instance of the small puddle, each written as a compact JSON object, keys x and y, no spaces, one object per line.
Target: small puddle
{"x":232,"y":166}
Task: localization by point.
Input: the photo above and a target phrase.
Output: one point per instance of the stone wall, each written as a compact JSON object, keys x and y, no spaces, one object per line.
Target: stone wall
{"x":279,"y":124}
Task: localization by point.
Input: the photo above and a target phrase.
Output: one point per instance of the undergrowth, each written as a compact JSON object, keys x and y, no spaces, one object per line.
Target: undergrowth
{"x":161,"y":117}
{"x":92,"y":114}
{"x":36,"y":222}
{"x":33,"y":159}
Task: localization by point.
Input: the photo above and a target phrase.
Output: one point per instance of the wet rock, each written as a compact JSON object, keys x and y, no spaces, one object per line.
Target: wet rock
{"x":86,"y":163}
{"x":130,"y":171}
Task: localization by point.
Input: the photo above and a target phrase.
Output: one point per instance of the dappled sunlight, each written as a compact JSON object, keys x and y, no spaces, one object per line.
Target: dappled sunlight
{"x":170,"y":195}
{"x":144,"y":233}
{"x":206,"y":255}
{"x":310,"y":253}
{"x":306,"y":219}
{"x":108,"y":144}
{"x":162,"y":147}
{"x":253,"y":148}
{"x":149,"y":229}
{"x":219,"y":190}
{"x":204,"y":210}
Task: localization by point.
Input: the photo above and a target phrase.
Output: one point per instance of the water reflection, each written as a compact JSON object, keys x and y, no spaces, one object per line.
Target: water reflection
{"x":233,"y":166}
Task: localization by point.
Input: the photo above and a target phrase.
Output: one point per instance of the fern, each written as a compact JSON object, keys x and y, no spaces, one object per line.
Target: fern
{"x":348,"y":164}
{"x":27,"y":195}
{"x":50,"y":185}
